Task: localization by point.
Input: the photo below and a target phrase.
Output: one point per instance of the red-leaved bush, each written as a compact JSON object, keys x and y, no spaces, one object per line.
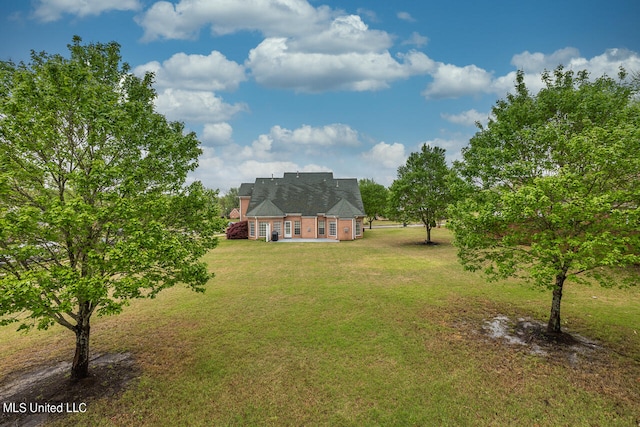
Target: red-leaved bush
{"x":238,"y":230}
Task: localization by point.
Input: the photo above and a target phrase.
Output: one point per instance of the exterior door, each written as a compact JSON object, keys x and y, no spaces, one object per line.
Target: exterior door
{"x":287,"y":229}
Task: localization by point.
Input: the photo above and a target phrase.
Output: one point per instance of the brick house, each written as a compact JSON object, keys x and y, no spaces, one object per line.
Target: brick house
{"x":303,"y":205}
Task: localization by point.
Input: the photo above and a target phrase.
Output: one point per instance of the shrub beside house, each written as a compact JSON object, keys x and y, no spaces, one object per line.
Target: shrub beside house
{"x":238,"y":230}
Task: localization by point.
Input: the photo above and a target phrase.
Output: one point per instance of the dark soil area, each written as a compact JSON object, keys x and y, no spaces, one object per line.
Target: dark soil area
{"x":532,"y":336}
{"x":34,"y":397}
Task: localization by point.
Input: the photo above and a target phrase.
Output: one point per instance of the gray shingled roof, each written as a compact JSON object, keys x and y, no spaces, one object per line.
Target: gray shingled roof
{"x":344,"y":209}
{"x":267,"y":208}
{"x":305,"y":193}
{"x":245,"y":189}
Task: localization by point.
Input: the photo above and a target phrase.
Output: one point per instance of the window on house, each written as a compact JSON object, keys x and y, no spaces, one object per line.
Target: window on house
{"x":321,"y":227}
{"x":358,"y":228}
{"x":333,"y":229}
{"x":277,"y":227}
{"x":296,"y":228}
{"x":263,"y":229}
{"x":252,"y":229}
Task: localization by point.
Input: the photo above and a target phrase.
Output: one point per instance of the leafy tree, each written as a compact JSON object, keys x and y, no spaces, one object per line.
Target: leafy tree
{"x":229,"y":201}
{"x":374,"y":199}
{"x":422,"y":190}
{"x":93,"y":207}
{"x":556,"y":186}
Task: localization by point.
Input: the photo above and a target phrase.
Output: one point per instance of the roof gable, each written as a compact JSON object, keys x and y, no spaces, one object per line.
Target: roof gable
{"x":344,"y":209}
{"x":266,"y":208}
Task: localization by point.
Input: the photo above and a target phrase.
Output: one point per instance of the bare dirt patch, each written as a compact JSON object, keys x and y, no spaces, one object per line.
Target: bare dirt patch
{"x":532,"y":336}
{"x":33,"y":397}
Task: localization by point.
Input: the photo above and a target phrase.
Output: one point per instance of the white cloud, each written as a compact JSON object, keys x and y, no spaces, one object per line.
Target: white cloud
{"x":217,"y":133}
{"x":163,"y":20}
{"x":281,"y":142}
{"x":254,"y":169}
{"x":536,"y":62}
{"x":271,"y":17}
{"x":345,"y":34}
{"x":259,"y":149}
{"x":209,"y":165}
{"x":196,"y":72}
{"x":389,"y":156}
{"x":367,"y":13}
{"x":195,"y":106}
{"x":52,"y":10}
{"x":213,"y":171}
{"x":608,"y":63}
{"x":405,"y":16}
{"x":466,"y":118}
{"x":306,"y":49}
{"x":416,"y":40}
{"x":451,"y":81}
{"x":228,"y":168}
{"x":274,"y":65}
{"x":506,"y":84}
{"x":330,"y":135}
{"x":281,"y":150}
{"x":223,"y":173}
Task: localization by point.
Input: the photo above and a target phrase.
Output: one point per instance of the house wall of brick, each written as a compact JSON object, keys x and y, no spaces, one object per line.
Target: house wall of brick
{"x":345,"y":229}
{"x":244,"y":205}
{"x":308,"y":227}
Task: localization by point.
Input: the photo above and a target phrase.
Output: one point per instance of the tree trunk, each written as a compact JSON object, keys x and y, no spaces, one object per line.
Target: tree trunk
{"x":80,"y":366}
{"x":428,"y":234}
{"x":553,"y":327}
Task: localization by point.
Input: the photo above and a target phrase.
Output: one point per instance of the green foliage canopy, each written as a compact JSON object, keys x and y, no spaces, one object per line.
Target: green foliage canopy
{"x":229,"y":201}
{"x":422,"y":190}
{"x":555,"y":186}
{"x":94,"y":209}
{"x":374,"y":198}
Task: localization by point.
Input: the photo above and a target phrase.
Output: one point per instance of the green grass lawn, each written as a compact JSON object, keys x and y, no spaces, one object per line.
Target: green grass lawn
{"x":380,"y":331}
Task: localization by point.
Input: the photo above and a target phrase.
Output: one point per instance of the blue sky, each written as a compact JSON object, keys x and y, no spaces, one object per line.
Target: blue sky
{"x":351,"y":87}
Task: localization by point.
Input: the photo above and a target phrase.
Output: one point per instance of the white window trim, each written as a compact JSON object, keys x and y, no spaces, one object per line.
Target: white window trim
{"x":263,"y":227}
{"x":333,"y":228}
